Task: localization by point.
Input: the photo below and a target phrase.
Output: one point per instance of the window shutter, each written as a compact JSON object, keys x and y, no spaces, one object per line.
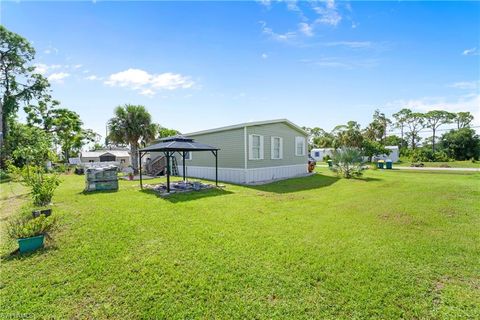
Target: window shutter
{"x":261,"y":147}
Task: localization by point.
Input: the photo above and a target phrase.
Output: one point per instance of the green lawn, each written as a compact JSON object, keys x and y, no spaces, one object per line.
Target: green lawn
{"x":452,"y":164}
{"x":391,"y":245}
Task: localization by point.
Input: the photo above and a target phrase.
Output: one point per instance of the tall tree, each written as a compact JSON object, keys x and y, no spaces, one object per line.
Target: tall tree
{"x":18,"y":82}
{"x":463,"y":119}
{"x":132,"y":124}
{"x":69,"y":133}
{"x":436,"y":118}
{"x":348,"y":135}
{"x":401,"y":120}
{"x":377,"y":129}
{"x":415,"y":122}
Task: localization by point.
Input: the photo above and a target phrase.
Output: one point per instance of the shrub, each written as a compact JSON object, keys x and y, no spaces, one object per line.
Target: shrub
{"x":348,"y":162}
{"x":28,"y":227}
{"x":42,"y":185}
{"x":326,"y":158}
{"x":427,"y":155}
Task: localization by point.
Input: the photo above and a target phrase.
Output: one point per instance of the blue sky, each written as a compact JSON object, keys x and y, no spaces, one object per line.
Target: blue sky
{"x":198,"y":65}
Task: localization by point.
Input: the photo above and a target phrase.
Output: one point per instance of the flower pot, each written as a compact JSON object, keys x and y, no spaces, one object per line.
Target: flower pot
{"x":30,"y":244}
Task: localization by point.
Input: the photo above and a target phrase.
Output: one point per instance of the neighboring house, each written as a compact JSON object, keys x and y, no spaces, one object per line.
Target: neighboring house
{"x":319,"y":153}
{"x":249,"y":152}
{"x":120,"y":156}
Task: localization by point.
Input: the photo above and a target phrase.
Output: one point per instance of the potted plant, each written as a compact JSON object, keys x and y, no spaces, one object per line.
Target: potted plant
{"x":30,"y":233}
{"x":130,"y":176}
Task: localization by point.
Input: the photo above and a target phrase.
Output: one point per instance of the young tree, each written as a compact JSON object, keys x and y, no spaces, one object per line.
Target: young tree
{"x":434,"y":119}
{"x":463,"y":119}
{"x":415,"y":122}
{"x":132,"y":124}
{"x":401,"y":120}
{"x":371,"y":148}
{"x":18,"y":82}
{"x":30,"y":145}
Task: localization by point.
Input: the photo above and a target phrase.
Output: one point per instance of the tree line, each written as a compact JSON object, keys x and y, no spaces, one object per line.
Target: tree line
{"x":460,"y":143}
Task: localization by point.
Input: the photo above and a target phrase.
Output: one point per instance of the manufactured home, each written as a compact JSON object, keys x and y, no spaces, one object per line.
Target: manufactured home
{"x":319,"y":154}
{"x":120,"y":156}
{"x":252,"y":152}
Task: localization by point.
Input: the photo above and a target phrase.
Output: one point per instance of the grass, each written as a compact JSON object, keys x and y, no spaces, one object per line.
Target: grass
{"x":453,"y":164}
{"x":391,"y":245}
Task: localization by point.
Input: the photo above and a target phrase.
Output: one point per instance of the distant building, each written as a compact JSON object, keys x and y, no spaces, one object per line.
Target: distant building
{"x":122,"y":157}
{"x":320,"y":153}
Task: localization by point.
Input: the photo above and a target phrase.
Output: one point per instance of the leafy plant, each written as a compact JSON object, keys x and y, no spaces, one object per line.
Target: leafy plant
{"x":31,"y":227}
{"x":348,"y":162}
{"x":42,"y":185}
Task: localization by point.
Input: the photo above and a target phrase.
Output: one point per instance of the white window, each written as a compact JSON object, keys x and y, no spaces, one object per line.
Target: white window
{"x":299,"y":146}
{"x":277,"y":148}
{"x":255,"y":144}
{"x":188,"y":155}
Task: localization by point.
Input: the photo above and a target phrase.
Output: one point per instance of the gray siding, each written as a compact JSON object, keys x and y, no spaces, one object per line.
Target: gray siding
{"x":277,"y":130}
{"x":230,"y":155}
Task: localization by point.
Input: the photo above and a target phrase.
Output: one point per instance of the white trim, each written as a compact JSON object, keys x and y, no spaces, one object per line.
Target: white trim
{"x":247,"y":176}
{"x":250,"y":147}
{"x":248,"y":124}
{"x":297,"y":140}
{"x":272,"y":148}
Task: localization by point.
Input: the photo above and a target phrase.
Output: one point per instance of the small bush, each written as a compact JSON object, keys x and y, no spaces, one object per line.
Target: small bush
{"x":326,"y":158}
{"x":28,"y":227}
{"x":348,"y":162}
{"x":427,"y":155}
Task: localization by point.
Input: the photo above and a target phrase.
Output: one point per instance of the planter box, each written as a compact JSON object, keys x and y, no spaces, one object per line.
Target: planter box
{"x":30,"y":244}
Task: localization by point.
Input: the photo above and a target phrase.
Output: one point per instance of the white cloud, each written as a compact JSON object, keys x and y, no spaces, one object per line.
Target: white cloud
{"x":350,"y":44}
{"x":466,"y":85}
{"x":342,"y":63}
{"x":305,"y":28}
{"x":282,"y":37}
{"x":470,"y":52}
{"x":328,"y":13}
{"x":148,"y":84}
{"x":50,"y":50}
{"x":43,"y":68}
{"x":264,"y":56}
{"x":58,"y":77}
{"x":77,"y":66}
{"x":92,"y":78}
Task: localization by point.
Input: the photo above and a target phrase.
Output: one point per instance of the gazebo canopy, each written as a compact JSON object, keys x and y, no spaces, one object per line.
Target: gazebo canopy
{"x":182,"y":145}
{"x":178,"y":143}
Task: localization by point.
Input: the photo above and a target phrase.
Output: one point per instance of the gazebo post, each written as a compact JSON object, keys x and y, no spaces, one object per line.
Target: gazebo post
{"x":140,"y":155}
{"x":167,"y":154}
{"x":216,"y":167}
{"x":183,"y":165}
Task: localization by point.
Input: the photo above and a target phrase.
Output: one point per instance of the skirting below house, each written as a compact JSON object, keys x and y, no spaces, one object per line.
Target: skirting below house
{"x":246,"y":176}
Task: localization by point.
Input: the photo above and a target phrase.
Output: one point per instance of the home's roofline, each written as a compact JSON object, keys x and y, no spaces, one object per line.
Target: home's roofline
{"x":248,"y":124}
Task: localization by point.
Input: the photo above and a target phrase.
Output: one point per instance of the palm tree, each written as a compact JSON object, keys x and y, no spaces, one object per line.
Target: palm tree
{"x":132,"y":124}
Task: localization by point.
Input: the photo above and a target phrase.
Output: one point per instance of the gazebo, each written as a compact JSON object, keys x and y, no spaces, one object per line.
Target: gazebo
{"x":181,"y":145}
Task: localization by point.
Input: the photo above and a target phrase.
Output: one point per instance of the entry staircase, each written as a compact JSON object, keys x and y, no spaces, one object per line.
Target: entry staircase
{"x":158,"y":166}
